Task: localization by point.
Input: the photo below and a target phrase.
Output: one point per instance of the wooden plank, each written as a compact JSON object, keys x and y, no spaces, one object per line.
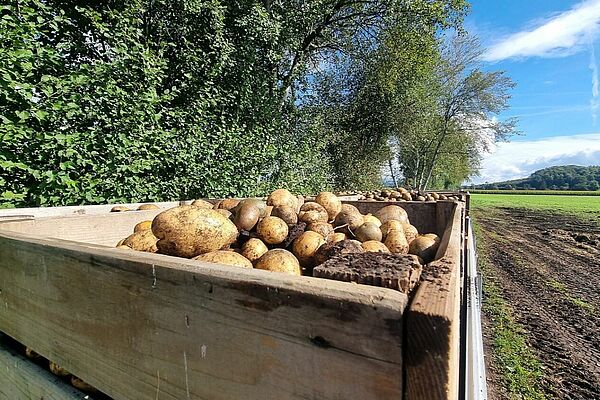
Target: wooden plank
{"x":102,"y":229}
{"x":42,"y":212}
{"x":138,"y":325}
{"x":21,"y":379}
{"x":432,"y":324}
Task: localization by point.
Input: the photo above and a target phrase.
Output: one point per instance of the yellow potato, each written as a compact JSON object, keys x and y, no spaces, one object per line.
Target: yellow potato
{"x":312,"y":212}
{"x":227,"y":204}
{"x":142,"y":241}
{"x":375,"y":247}
{"x":202,"y":204}
{"x":425,"y":247}
{"x":396,"y":241}
{"x":119,"y":209}
{"x":390,"y":225}
{"x":253,"y":249}
{"x":225,"y":257}
{"x":368,"y":231}
{"x":58,"y":370}
{"x":305,"y":246}
{"x":410,"y":232}
{"x":286,"y":213}
{"x":331,"y":203}
{"x":188,"y":231}
{"x":372,"y":219}
{"x":336,"y":237}
{"x":81,"y":385}
{"x":349,"y":216}
{"x":279,"y":260}
{"x":325,"y":229}
{"x":282,"y":197}
{"x":144,"y":207}
{"x":272,"y":230}
{"x":392,"y":212}
{"x":142,"y":226}
{"x":246,"y":216}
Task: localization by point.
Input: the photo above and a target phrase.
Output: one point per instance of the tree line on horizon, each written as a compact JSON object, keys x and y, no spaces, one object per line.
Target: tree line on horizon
{"x":565,"y":177}
{"x":148,"y":100}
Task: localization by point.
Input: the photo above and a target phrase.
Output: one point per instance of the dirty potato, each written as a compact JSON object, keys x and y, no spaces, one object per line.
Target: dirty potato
{"x":279,"y":260}
{"x":225,"y":257}
{"x":188,"y":231}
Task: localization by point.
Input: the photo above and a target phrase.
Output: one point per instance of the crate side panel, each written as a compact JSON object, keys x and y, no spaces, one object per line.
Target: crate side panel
{"x":432,"y":323}
{"x":138,"y":325}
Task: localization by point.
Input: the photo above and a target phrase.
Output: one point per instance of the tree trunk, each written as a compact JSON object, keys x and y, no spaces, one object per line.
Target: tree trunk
{"x":392,"y":173}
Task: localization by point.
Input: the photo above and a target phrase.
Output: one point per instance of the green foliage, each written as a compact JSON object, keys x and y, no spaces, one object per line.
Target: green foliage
{"x":566,"y":177}
{"x":141,"y":100}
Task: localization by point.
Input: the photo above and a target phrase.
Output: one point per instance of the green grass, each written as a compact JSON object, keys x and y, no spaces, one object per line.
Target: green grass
{"x":539,"y":192}
{"x":587,"y":207}
{"x":519,"y":369}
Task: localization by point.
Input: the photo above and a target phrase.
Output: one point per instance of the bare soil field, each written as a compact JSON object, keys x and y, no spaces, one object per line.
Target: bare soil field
{"x":547,"y":267}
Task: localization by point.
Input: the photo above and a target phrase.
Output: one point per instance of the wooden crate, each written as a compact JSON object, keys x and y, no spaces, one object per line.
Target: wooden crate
{"x":138,"y":325}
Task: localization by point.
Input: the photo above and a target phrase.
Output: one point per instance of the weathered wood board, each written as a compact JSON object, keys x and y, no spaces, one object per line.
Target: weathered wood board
{"x":136,"y":325}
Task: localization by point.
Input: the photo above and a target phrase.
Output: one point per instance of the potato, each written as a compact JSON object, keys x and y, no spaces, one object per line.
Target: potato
{"x":329,"y":250}
{"x":272,"y":230}
{"x":261,"y":205}
{"x":433,"y":236}
{"x":142,"y":241}
{"x":58,"y":370}
{"x":228,"y":204}
{"x":368,"y":231}
{"x":202,"y":204}
{"x":253,"y":249}
{"x":123,"y":247}
{"x":375,"y":247}
{"x":373,"y":219}
{"x":425,"y":247}
{"x":312,"y":212}
{"x":305,"y":246}
{"x":350,"y":216}
{"x":392,"y":212}
{"x":81,"y":385}
{"x":246,"y":216}
{"x":225,"y":257}
{"x":226,"y":213}
{"x":29,"y":353}
{"x":120,"y":242}
{"x":396,"y":241}
{"x":286,"y":213}
{"x":410,"y":232}
{"x":331,"y":203}
{"x":323,"y":228}
{"x":142,"y":226}
{"x":391,"y":225}
{"x":336,"y":237}
{"x":188,"y":231}
{"x":119,"y":209}
{"x":279,"y":260}
{"x":144,"y":207}
{"x":282,"y":197}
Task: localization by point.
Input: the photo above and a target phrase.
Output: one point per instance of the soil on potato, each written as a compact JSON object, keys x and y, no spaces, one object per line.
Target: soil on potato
{"x":548,"y":268}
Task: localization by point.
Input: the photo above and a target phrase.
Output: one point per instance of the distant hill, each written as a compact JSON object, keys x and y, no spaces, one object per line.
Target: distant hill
{"x":566,"y":177}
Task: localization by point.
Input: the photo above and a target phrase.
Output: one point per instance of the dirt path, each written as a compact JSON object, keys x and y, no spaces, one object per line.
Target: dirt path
{"x":548,"y":267}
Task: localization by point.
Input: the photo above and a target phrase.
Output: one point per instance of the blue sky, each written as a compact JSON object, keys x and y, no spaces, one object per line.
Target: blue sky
{"x":551,"y":49}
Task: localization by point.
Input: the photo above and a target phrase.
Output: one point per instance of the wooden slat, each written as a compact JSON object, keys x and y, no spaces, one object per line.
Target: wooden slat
{"x":144,"y":326}
{"x":432,"y":330}
{"x":21,"y":379}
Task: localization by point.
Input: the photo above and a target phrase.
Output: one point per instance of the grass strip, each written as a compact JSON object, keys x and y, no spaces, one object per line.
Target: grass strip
{"x":519,"y":369}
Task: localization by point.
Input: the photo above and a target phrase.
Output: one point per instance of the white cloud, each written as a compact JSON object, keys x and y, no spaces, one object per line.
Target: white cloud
{"x":562,"y":34}
{"x":514,"y":160}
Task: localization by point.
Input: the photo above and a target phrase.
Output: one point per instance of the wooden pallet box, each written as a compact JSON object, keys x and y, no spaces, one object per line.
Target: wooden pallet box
{"x":148,"y":326}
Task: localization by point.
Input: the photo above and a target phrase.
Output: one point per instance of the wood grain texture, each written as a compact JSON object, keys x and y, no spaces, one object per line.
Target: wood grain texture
{"x":145,"y":326}
{"x":432,"y":330}
{"x":21,"y":379}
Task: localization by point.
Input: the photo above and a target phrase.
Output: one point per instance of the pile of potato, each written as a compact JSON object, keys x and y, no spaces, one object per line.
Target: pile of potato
{"x":400,"y":194}
{"x":282,"y":234}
